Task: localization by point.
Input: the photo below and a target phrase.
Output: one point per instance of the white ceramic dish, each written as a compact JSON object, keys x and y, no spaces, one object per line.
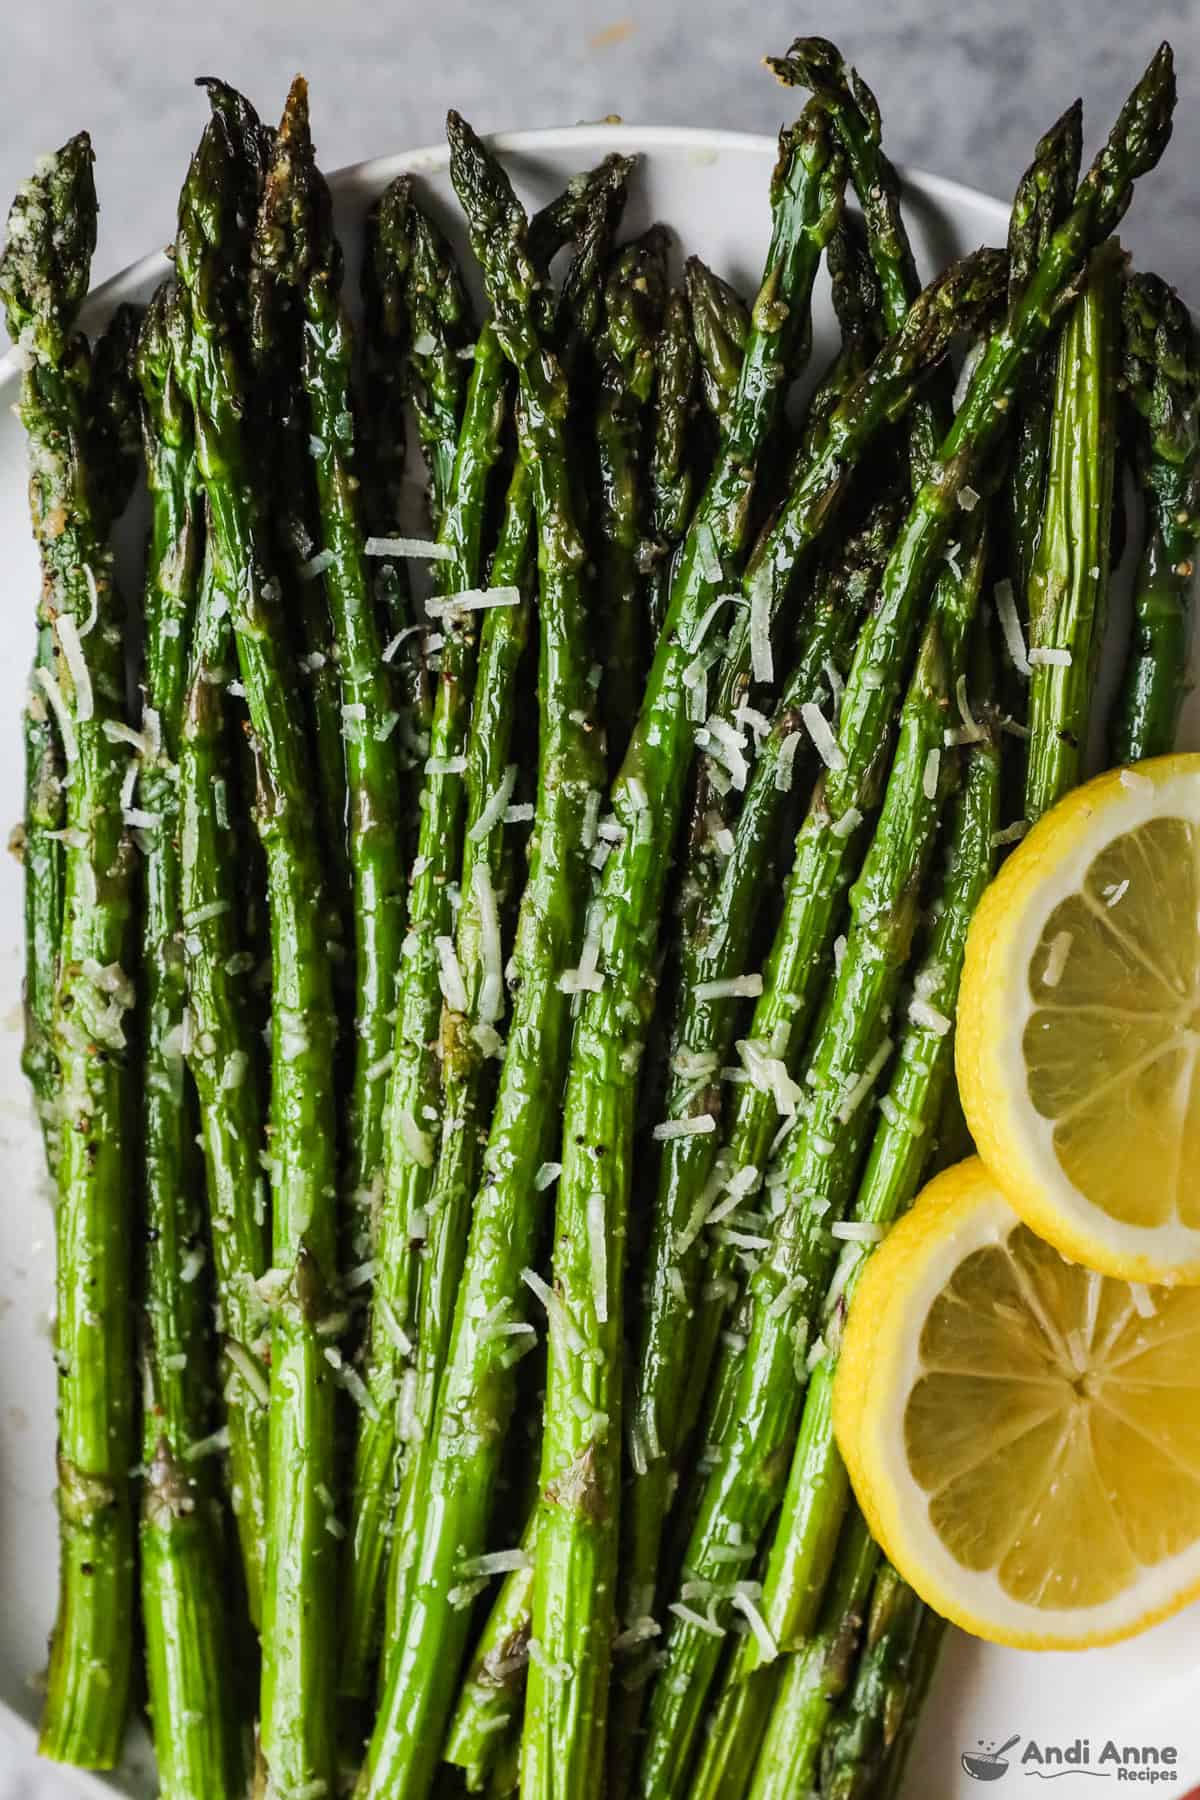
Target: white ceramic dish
{"x":712,"y":188}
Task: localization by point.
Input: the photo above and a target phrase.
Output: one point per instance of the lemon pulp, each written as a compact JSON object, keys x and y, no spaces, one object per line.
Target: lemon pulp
{"x":1054,"y":1423}
{"x":1111,"y":1045}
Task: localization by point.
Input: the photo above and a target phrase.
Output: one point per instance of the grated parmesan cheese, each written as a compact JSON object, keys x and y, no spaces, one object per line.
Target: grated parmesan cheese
{"x":786,"y":762}
{"x":408,"y":546}
{"x":733,"y":987}
{"x":856,"y":1231}
{"x":1010,"y":625}
{"x":821,"y":733}
{"x":699,"y":1126}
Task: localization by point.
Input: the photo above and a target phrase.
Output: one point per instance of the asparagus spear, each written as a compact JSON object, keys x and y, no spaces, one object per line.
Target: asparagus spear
{"x":182,"y":1577}
{"x":1040,"y":203}
{"x":677,"y":1274}
{"x":786,"y":1699}
{"x":223,"y":1058}
{"x":634,"y":295}
{"x":922,"y":1667}
{"x":414,"y":1099}
{"x":494,"y":1685}
{"x":817,"y":1487}
{"x":919,"y":1085}
{"x":298,"y":1647}
{"x":286,"y":449}
{"x":1069,"y":584}
{"x":573,"y":1604}
{"x":112,"y":429}
{"x":736,"y":1757}
{"x":673,"y":471}
{"x":385,"y":425}
{"x":298,"y":254}
{"x":721,"y":329}
{"x":441,"y":329}
{"x":43,"y":278}
{"x":470,"y":1039}
{"x":463,"y":529}
{"x":470,"y":1035}
{"x":456,"y":1468}
{"x":1162,"y":379}
{"x":41,"y":851}
{"x":920,"y":1079}
{"x":1137,"y":139}
{"x":813,"y":1183}
{"x":864,"y":1728}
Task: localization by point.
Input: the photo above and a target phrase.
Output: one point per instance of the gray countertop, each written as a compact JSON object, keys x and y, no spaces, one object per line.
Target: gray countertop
{"x":965,"y":89}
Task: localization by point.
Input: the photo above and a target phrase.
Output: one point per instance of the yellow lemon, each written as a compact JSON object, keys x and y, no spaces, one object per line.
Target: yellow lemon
{"x":1023,"y":1435}
{"x":1078,"y":1047}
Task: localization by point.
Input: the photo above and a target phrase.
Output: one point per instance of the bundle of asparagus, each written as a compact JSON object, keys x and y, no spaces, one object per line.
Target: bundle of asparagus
{"x":671,"y":629}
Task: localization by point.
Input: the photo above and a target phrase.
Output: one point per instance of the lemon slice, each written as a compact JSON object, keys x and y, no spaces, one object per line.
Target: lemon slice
{"x":1023,"y":1435}
{"x":1079,"y":1024}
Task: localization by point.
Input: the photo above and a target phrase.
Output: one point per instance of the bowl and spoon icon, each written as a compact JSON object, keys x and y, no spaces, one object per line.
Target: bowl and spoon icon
{"x":988,"y":1765}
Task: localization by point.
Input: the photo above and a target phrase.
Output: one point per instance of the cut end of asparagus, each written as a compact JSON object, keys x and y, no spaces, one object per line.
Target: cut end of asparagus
{"x":47,"y":258}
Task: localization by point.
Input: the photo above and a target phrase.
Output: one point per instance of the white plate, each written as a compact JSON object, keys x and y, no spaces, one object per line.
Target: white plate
{"x":711,"y":187}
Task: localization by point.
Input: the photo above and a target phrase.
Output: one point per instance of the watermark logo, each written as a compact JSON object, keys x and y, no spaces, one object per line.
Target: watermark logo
{"x":987,"y":1763}
{"x":1044,"y":1761}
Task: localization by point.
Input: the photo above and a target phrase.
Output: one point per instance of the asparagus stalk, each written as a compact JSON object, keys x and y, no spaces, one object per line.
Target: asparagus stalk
{"x":634,"y":295}
{"x":573,"y":1604}
{"x":385,"y":386}
{"x":1137,"y":140}
{"x":922,"y":1667}
{"x":441,"y":330}
{"x":182,"y":1576}
{"x":298,"y":254}
{"x":781,"y":1699}
{"x":385,"y":425}
{"x":43,"y":278}
{"x":719,"y":910}
{"x":455,"y":1488}
{"x":470,"y":1032}
{"x":579,"y":312}
{"x":112,"y":428}
{"x":859,"y":1736}
{"x":677,"y":1274}
{"x":298,"y":1646}
{"x":414,"y":1100}
{"x":287,"y":449}
{"x":736,"y":1757}
{"x":1069,"y":584}
{"x":470,"y":1038}
{"x":40,"y":844}
{"x":223,"y":1059}
{"x":494,"y":1685}
{"x":673,"y":470}
{"x":1040,"y":203}
{"x":1162,"y":379}
{"x":920,"y":1080}
{"x":813,"y":1182}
